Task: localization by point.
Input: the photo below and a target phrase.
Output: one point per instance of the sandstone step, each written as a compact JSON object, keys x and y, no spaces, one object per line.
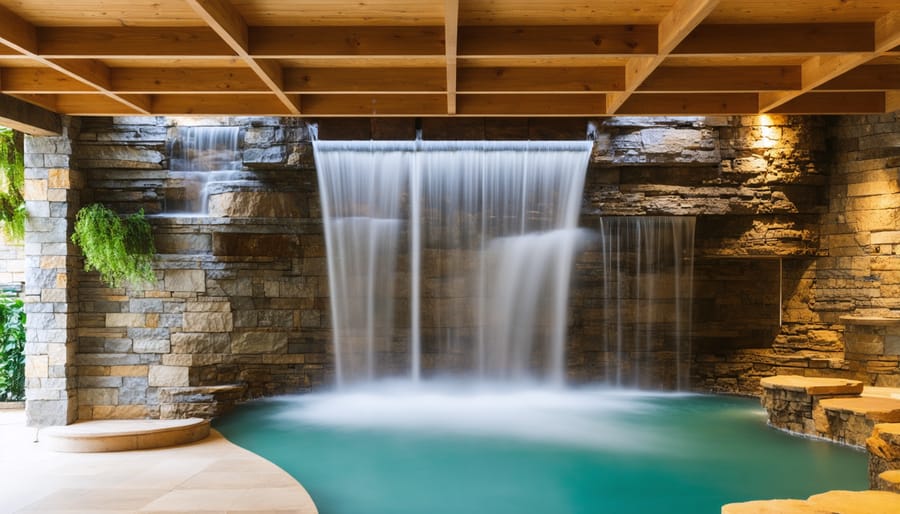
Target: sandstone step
{"x":116,"y":435}
{"x":889,"y":481}
{"x":813,"y":386}
{"x":877,"y":409}
{"x":199,"y":401}
{"x":832,"y":502}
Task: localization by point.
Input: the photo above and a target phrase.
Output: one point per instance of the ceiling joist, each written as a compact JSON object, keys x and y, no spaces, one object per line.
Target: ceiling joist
{"x":451,"y":58}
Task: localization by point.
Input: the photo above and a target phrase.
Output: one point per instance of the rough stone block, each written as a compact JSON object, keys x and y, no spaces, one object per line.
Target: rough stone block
{"x":125,"y":320}
{"x":259,"y":342}
{"x":185,"y":280}
{"x":169,"y":376}
{"x":208,"y":322}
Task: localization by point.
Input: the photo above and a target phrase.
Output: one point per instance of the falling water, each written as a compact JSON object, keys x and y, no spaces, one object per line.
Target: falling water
{"x":647,"y":292}
{"x":200,"y":159}
{"x":479,"y":235}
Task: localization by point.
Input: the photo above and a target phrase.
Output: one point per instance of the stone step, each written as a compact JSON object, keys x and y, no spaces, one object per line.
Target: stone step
{"x":200,"y":401}
{"x":884,"y":457}
{"x":832,"y":502}
{"x":851,"y":420}
{"x":115,"y":435}
{"x":889,"y":481}
{"x":813,"y":386}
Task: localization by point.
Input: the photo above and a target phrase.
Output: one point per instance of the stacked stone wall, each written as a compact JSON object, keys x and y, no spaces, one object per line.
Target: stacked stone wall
{"x":241,"y":296}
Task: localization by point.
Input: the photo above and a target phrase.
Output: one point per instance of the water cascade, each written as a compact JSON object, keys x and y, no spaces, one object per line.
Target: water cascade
{"x":450,"y":257}
{"x":647,"y":295}
{"x":201,"y":158}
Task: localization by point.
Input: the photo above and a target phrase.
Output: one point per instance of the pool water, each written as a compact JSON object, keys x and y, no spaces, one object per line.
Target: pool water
{"x":395,"y":450}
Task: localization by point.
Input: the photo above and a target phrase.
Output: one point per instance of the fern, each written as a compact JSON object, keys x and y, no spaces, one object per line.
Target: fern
{"x":12,"y":184}
{"x":121,"y":250}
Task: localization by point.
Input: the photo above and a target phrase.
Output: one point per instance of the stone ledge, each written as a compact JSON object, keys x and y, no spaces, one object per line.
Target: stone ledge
{"x":879,"y":321}
{"x":832,"y":502}
{"x":123,"y":435}
{"x":813,"y":385}
{"x":884,"y":410}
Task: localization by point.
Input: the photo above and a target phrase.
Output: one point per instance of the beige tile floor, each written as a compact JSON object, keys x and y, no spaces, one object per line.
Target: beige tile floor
{"x":209,"y":476}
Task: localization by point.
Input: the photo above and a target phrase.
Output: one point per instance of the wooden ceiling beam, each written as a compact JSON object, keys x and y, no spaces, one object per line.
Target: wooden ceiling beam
{"x":227,"y":22}
{"x":834,"y":103}
{"x":722,"y":79}
{"x":877,"y":77}
{"x":288,"y":42}
{"x":375,"y":105}
{"x":224,"y":105}
{"x":819,"y":70}
{"x":476,"y":41}
{"x":47,"y":101}
{"x":684,"y":104}
{"x":364,"y":80}
{"x":20,"y":35}
{"x":684,"y":16}
{"x":134,"y":42}
{"x":781,"y":38}
{"x":40,"y":81}
{"x":451,"y":35}
{"x":892,"y":101}
{"x":541,"y":79}
{"x":531,"y":105}
{"x":26,"y":117}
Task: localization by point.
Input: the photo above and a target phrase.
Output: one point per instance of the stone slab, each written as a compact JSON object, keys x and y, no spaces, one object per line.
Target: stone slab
{"x":831,"y":502}
{"x":813,"y":385}
{"x":123,"y":435}
{"x":885,"y":410}
{"x":878,"y":321}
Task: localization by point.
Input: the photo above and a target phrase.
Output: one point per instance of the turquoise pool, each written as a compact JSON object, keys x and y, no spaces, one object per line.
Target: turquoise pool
{"x":399,"y":450}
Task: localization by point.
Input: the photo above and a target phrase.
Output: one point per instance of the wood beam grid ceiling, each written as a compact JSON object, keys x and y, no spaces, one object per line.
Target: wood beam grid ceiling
{"x":450,"y":57}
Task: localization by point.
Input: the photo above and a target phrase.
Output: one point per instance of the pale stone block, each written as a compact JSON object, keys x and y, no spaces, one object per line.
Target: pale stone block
{"x":185,"y":280}
{"x":53,"y":295}
{"x":259,"y":342}
{"x":98,"y":396}
{"x":208,"y":322}
{"x":60,"y":354}
{"x":37,"y":366}
{"x":201,"y":306}
{"x":169,"y":376}
{"x":58,"y":178}
{"x":127,"y":371}
{"x":125,"y":320}
{"x":35,"y":190}
{"x":151,"y":346}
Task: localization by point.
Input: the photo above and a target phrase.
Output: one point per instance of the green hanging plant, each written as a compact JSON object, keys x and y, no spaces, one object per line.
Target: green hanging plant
{"x":12,"y":184}
{"x":120,"y":249}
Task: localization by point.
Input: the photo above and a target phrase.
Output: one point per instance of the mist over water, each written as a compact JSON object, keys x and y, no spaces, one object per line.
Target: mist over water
{"x":596,"y":418}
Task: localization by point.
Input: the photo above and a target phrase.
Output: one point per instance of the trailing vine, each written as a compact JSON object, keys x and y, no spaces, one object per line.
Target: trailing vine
{"x":12,"y":184}
{"x":120,"y":249}
{"x":12,"y":349}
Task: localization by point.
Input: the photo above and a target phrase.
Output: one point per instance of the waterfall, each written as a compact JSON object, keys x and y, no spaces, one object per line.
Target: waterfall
{"x":450,"y":257}
{"x":647,"y":295}
{"x":200,"y":158}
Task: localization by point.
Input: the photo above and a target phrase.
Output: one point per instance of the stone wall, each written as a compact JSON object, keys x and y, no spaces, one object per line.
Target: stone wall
{"x":241,"y":295}
{"x":12,"y":265}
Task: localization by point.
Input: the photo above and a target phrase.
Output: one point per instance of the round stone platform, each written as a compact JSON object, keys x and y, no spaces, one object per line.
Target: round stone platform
{"x":832,"y":502}
{"x":879,"y":409}
{"x":123,"y":435}
{"x":815,"y":386}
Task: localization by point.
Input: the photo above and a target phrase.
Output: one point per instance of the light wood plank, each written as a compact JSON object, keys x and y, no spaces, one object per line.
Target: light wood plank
{"x":40,"y":81}
{"x":375,"y":105}
{"x":292,"y":42}
{"x":866,"y":78}
{"x":557,"y":40}
{"x":821,"y":69}
{"x":28,"y":118}
{"x":722,"y":79}
{"x":237,"y":104}
{"x":364,"y":80}
{"x":16,"y":33}
{"x":684,"y":16}
{"x":93,"y":105}
{"x":779,"y":38}
{"x":541,"y":80}
{"x":834,"y":103}
{"x":681,"y":104}
{"x":531,"y":105}
{"x":135,"y":42}
{"x":892,"y":101}
{"x":228,"y":23}
{"x":180,"y":80}
{"x":451,"y":29}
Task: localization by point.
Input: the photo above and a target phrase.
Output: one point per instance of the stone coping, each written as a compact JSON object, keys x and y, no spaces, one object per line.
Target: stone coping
{"x":832,"y":502}
{"x":813,"y":385}
{"x":123,"y":435}
{"x":12,"y":405}
{"x":870,"y":320}
{"x":885,"y":410}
